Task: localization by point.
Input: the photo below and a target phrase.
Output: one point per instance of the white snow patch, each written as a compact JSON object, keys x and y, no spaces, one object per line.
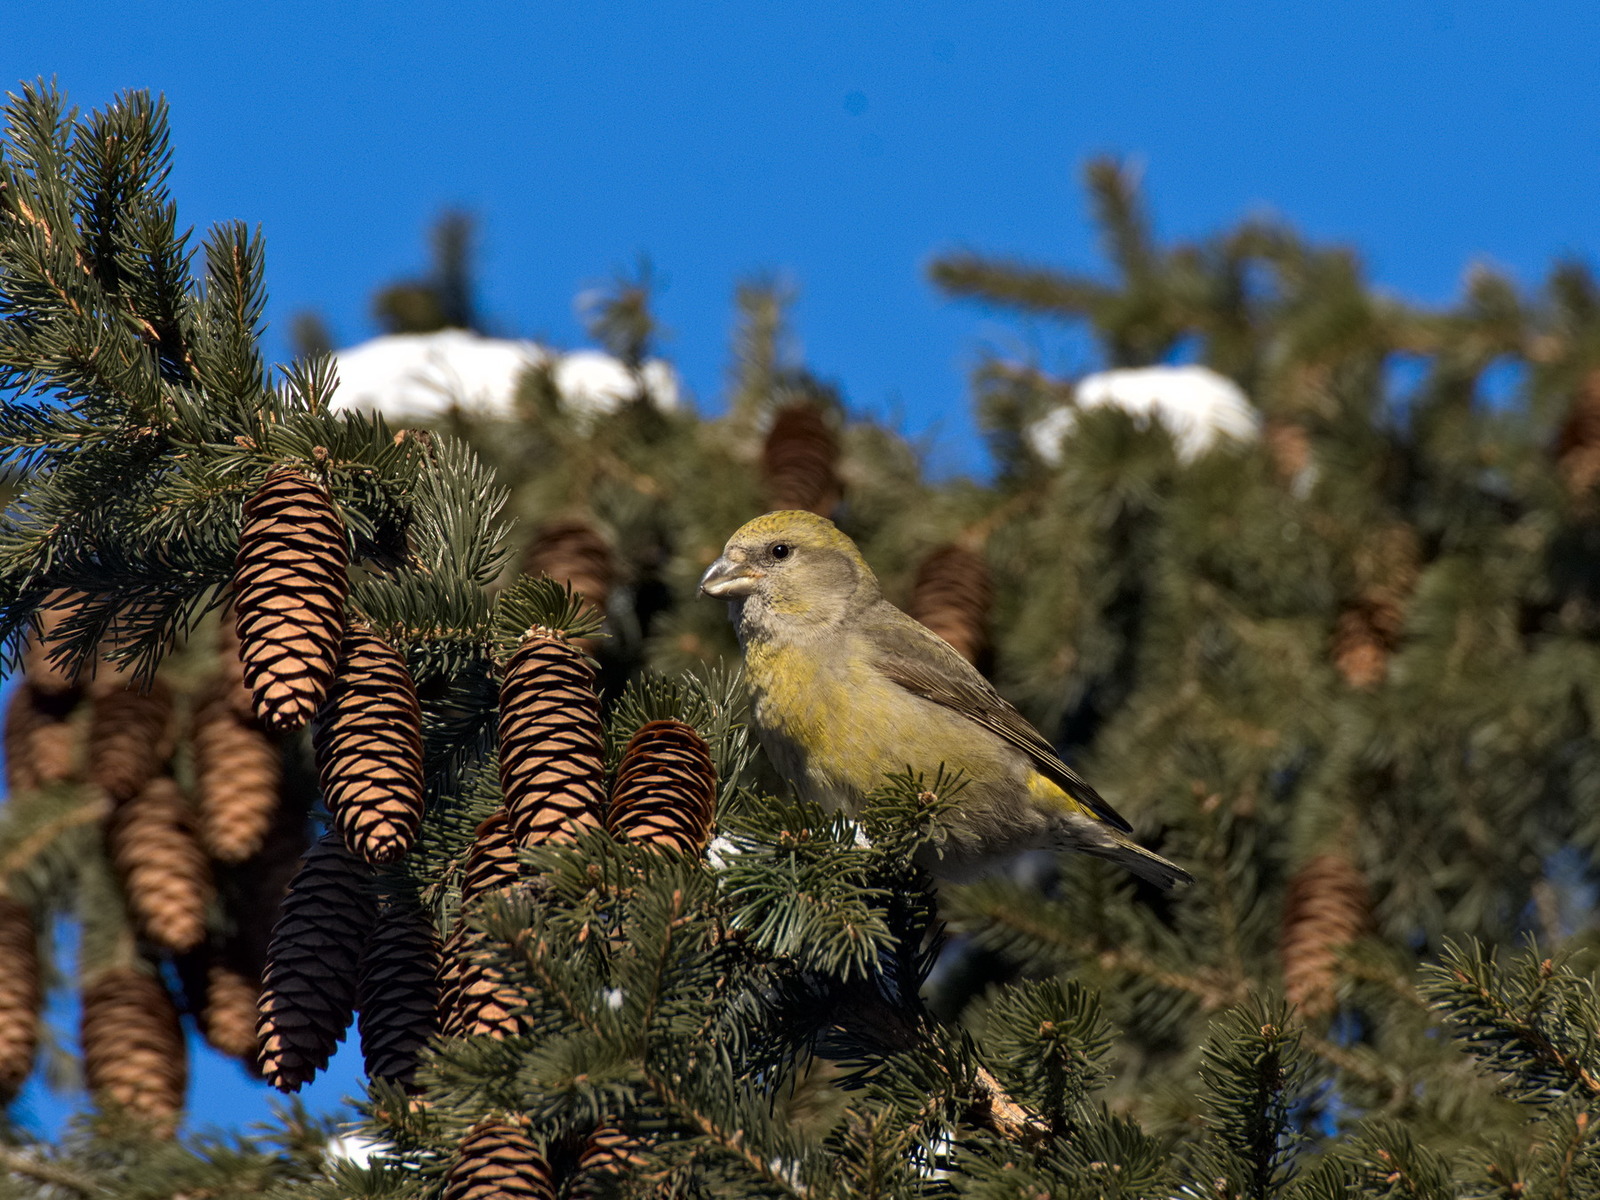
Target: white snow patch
{"x":352,"y":1147}
{"x":421,"y":375}
{"x":1196,"y":405}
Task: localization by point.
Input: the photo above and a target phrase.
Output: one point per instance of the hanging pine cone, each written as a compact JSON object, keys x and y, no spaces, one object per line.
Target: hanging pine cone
{"x":952,"y":596}
{"x":21,"y":996}
{"x":238,"y":769}
{"x":497,"y":1161}
{"x":151,"y":843}
{"x":1369,"y":627}
{"x":368,"y":739}
{"x":571,"y":551}
{"x":475,"y":1000}
{"x":492,"y":861}
{"x":308,"y":990}
{"x":1326,"y":909}
{"x":37,"y":666}
{"x":1289,"y":447}
{"x":41,"y":743}
{"x":608,"y":1156}
{"x":398,"y":992}
{"x":666,"y":789}
{"x":552,"y":747}
{"x":800,"y":459}
{"x":289,"y":587}
{"x":133,"y":1050}
{"x":130,"y":736}
{"x":228,"y":1011}
{"x":1578,"y":442}
{"x":253,"y":900}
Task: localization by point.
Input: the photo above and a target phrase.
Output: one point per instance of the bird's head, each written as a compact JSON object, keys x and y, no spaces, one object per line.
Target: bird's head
{"x":793,"y":567}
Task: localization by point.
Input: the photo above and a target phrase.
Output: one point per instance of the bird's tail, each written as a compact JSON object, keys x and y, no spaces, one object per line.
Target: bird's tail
{"x":1093,"y":837}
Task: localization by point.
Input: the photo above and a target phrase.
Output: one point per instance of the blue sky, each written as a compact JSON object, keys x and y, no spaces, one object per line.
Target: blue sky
{"x":842,"y":145}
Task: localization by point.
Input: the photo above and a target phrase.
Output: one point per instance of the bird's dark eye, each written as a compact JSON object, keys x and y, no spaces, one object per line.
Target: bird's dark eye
{"x":779,"y":549}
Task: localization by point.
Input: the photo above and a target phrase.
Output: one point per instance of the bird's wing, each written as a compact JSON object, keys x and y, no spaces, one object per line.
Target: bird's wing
{"x":919,"y":660}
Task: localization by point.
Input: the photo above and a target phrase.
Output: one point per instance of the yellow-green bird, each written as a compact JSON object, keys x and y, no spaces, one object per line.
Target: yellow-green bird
{"x":846,"y":689}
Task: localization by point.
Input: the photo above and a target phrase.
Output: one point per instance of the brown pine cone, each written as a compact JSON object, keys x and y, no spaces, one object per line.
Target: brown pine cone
{"x":228,"y":1011}
{"x":475,"y":1000}
{"x":130,"y":736}
{"x":368,"y":739}
{"x":41,"y":743}
{"x":799,"y":460}
{"x":289,"y":587}
{"x":238,"y":769}
{"x":497,"y":1161}
{"x":608,"y":1155}
{"x":308,"y":990}
{"x":572,"y":552}
{"x":254,"y":899}
{"x":552,"y":747}
{"x":666,"y":789}
{"x":133,"y":1050}
{"x":37,"y":667}
{"x":21,"y":996}
{"x":492,"y":861}
{"x":1327,"y":908}
{"x":398,"y":992}
{"x":952,"y":596}
{"x":1369,"y":628}
{"x":151,"y":843}
{"x":1578,"y":443}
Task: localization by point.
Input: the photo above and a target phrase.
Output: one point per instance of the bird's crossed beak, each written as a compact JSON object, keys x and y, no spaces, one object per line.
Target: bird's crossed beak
{"x":729,"y":579}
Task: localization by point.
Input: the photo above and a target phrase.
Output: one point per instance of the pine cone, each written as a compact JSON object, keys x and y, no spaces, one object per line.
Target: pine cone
{"x":21,"y":996}
{"x":129,"y":736}
{"x":497,"y":1161}
{"x":368,"y":740}
{"x":37,"y":667}
{"x":1326,"y":909}
{"x":552,"y":748}
{"x":474,"y":998}
{"x":1578,"y":442}
{"x":41,"y":744}
{"x":571,"y":551}
{"x":952,"y":597}
{"x":308,"y":991}
{"x":150,"y":841}
{"x":1289,"y":447}
{"x":238,"y":769}
{"x":800,"y":460}
{"x":289,"y":587}
{"x":133,"y":1050}
{"x":492,"y":861}
{"x":228,"y":1011}
{"x":666,"y":789}
{"x":1368,"y":630}
{"x":254,"y":899}
{"x":398,"y":992}
{"x":608,"y":1155}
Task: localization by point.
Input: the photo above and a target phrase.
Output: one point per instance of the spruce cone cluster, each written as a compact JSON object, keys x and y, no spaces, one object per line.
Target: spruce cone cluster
{"x":21,"y":995}
{"x":952,"y":596}
{"x":1578,"y":442}
{"x":799,"y":460}
{"x":552,"y":746}
{"x":1368,"y":629}
{"x":1327,"y":909}
{"x":130,"y":735}
{"x":164,"y":873}
{"x":368,"y":740}
{"x":289,"y":587}
{"x":238,"y":769}
{"x":497,"y":1161}
{"x":398,"y":992}
{"x":308,"y":991}
{"x":133,"y":1049}
{"x":666,"y":788}
{"x":572,"y":552}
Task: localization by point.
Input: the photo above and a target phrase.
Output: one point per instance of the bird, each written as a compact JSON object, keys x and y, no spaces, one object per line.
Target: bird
{"x":846,"y":690}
